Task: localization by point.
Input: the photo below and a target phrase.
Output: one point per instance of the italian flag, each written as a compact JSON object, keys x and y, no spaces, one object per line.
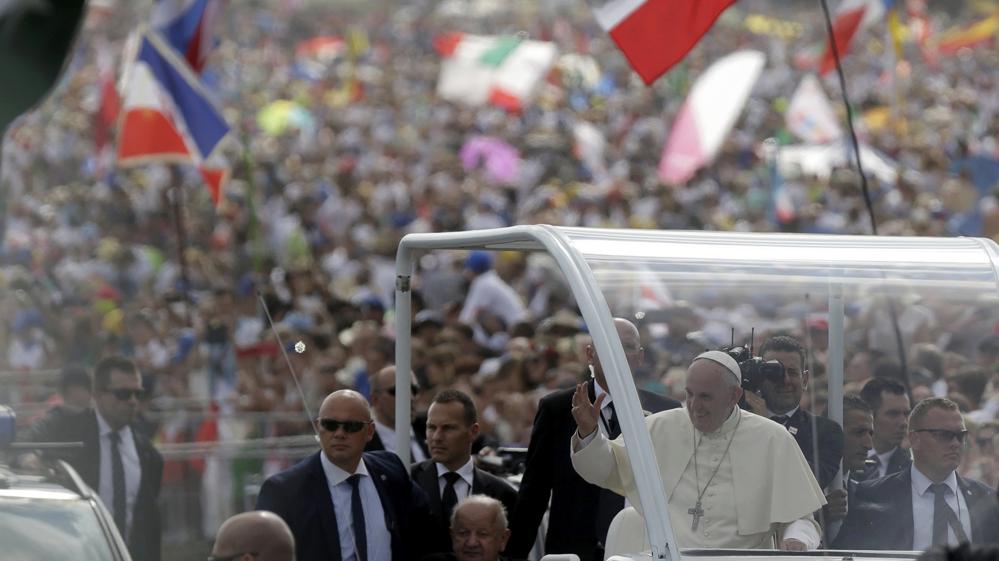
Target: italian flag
{"x":504,"y":71}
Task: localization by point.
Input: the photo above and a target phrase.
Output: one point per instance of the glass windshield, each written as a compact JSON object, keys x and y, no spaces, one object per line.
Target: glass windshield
{"x":33,"y":530}
{"x":816,"y":318}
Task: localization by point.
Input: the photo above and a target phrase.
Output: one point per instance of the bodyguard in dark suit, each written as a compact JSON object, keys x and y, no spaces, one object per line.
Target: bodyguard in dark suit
{"x":580,"y":512}
{"x":927,"y":504}
{"x":344,"y":504}
{"x":116,"y":461}
{"x":820,"y":439}
{"x":890,"y":403}
{"x":383,"y":408}
{"x":450,"y":475}
{"x":858,"y":439}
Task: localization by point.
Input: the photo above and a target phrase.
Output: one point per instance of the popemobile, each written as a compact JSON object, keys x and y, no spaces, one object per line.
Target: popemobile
{"x":717,"y":478}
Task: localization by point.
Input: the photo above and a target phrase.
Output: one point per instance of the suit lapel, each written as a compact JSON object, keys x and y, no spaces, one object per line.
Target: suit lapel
{"x":384,"y":495}
{"x":427,"y":479}
{"x":905,"y":492}
{"x":971,"y":499}
{"x":327,"y":515}
{"x":92,"y":461}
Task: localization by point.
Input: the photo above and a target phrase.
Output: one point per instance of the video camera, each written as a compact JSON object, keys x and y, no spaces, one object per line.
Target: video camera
{"x":754,"y":370}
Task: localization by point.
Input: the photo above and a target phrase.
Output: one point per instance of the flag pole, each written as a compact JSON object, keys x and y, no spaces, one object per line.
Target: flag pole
{"x":178,"y":214}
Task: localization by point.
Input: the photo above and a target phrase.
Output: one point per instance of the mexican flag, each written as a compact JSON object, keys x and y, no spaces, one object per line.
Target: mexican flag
{"x":504,"y":71}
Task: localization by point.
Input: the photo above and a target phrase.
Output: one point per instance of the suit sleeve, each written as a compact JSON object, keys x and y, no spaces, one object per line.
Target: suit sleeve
{"x":421,"y":526}
{"x":535,"y":486}
{"x":269,"y":499}
{"x":830,"y":453}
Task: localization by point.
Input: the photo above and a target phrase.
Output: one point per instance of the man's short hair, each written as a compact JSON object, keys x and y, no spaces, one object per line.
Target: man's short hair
{"x":784,"y":344}
{"x":455,"y":396}
{"x":102,"y":372}
{"x":872,"y":390}
{"x":971,"y":382}
{"x":924,"y":406}
{"x":500,"y":518}
{"x":74,"y":376}
{"x":853,"y":402}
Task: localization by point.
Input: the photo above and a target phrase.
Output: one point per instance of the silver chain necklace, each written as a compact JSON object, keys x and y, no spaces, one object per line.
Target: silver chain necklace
{"x":696,"y":512}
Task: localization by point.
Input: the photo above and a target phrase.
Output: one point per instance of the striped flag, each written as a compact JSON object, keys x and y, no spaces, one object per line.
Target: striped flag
{"x":504,"y":71}
{"x":654,"y":35}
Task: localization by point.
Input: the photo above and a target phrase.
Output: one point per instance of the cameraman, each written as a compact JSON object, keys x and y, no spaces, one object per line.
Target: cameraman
{"x":779,"y":399}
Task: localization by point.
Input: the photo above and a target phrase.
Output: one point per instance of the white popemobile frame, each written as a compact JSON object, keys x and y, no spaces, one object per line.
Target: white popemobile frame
{"x":971,"y":260}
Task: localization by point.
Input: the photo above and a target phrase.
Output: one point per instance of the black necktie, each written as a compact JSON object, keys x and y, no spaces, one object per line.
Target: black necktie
{"x":118,"y":482}
{"x":943,"y":516}
{"x":357,"y":517}
{"x":449,"y":498}
{"x":613,"y":427}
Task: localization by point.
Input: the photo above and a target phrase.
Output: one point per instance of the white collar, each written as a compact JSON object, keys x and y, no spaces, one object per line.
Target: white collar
{"x":727,"y":426}
{"x":599,"y":391}
{"x":336,"y":475}
{"x":921,"y":483}
{"x":467,"y":471}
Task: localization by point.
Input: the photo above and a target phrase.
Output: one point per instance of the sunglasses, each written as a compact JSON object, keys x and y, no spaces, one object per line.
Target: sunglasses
{"x":332,"y":425}
{"x":126,"y":393}
{"x":414,"y":389}
{"x":944,"y":435}
{"x":232,"y":556}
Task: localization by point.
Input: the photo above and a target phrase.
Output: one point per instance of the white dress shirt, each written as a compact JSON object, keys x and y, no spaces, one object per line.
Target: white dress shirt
{"x":129,"y":460}
{"x":375,"y":530}
{"x":462,"y":487}
{"x":922,"y":510}
{"x":387,"y":434}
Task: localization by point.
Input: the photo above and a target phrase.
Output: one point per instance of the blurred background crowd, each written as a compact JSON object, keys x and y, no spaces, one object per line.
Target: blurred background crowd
{"x":342,"y":146}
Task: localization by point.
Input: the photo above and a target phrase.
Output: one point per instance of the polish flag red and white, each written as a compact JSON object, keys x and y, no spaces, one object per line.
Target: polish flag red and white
{"x":708,"y":114}
{"x":851,"y":16}
{"x":654,"y":35}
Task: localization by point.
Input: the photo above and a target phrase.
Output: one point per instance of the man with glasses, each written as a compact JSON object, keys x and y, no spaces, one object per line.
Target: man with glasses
{"x":120,"y":463}
{"x":580,"y":513}
{"x":928,"y":504}
{"x":820,"y":439}
{"x":383,"y":405}
{"x":345,"y":504}
{"x":254,"y":536}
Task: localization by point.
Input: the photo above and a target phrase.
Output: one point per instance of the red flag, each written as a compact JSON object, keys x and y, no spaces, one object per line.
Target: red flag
{"x":215,"y":179}
{"x":849,"y":18}
{"x":654,"y":35}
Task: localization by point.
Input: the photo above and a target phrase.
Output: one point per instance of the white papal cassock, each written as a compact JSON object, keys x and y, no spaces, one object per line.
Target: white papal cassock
{"x":764,"y":489}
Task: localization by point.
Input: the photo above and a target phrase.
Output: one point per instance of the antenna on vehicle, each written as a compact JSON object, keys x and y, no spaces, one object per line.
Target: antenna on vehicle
{"x":294,"y":376}
{"x":732,"y":344}
{"x":752,"y":341}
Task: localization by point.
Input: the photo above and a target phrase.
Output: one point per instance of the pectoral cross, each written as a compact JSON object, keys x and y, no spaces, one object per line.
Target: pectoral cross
{"x":696,"y":512}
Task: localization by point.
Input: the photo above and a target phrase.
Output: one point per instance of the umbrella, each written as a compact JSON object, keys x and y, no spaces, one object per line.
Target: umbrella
{"x":500,"y":160}
{"x":278,"y":116}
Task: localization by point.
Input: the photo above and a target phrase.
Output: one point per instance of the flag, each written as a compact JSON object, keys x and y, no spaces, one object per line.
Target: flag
{"x":656,"y":34}
{"x":504,"y":71}
{"x":215,"y":179}
{"x":810,"y":116}
{"x":107,"y":110}
{"x":708,"y":114}
{"x":979,"y":33}
{"x":189,"y":27}
{"x":168,"y":114}
{"x":850,"y":17}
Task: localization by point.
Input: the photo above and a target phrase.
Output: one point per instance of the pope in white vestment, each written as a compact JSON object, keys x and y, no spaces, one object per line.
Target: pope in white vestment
{"x":750,"y":480}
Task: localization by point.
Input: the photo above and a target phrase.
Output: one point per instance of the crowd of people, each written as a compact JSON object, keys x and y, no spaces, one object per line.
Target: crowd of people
{"x":98,"y":261}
